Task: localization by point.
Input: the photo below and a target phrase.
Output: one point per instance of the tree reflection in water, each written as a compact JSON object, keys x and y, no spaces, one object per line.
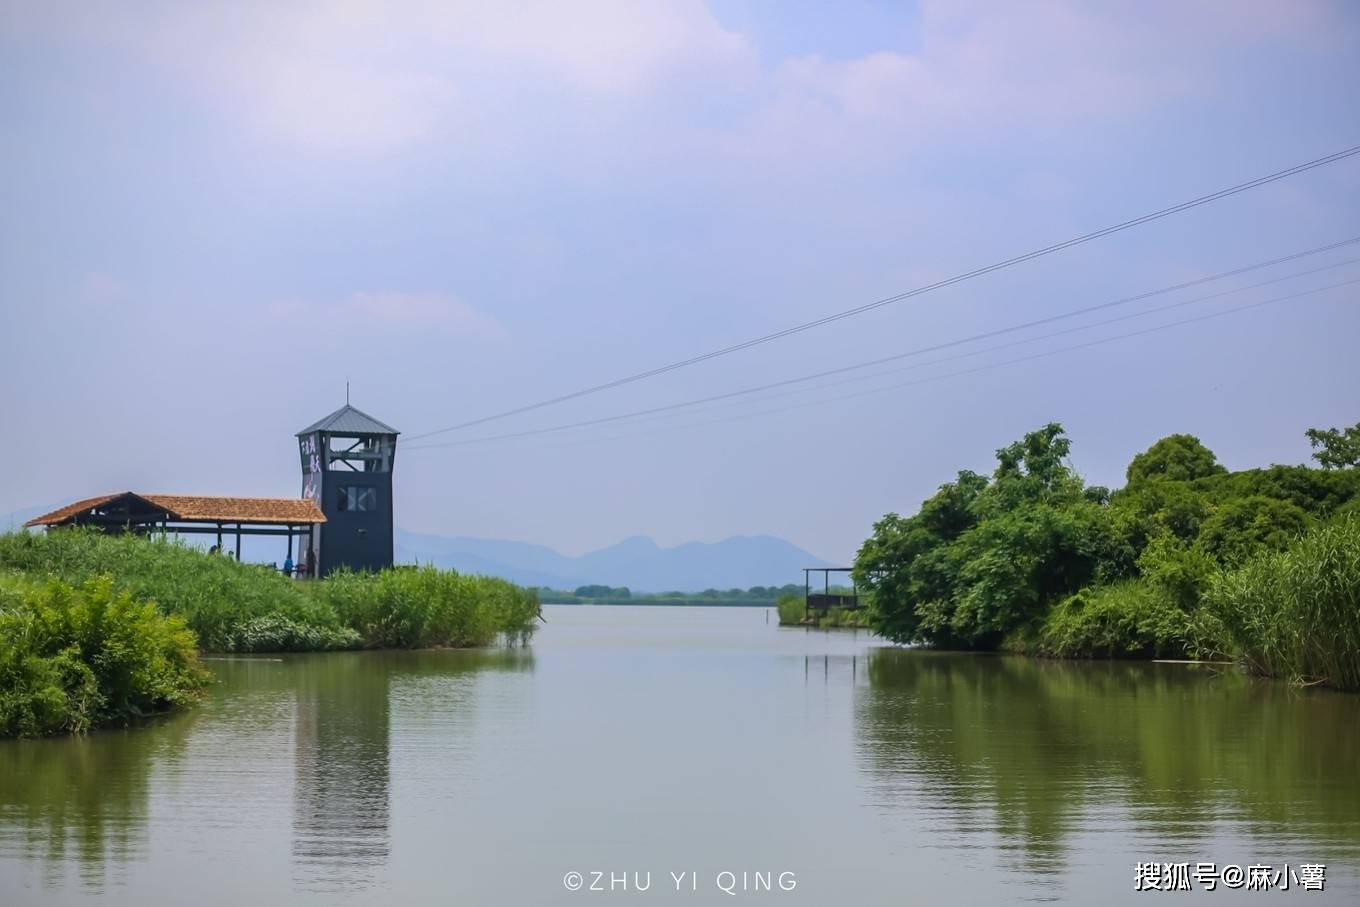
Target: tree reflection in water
{"x":1041,"y":754}
{"x":83,"y":801}
{"x":317,"y":726}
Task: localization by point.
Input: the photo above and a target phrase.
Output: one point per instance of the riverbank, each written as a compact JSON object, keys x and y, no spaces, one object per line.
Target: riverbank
{"x":98,"y":597}
{"x":1188,"y":560}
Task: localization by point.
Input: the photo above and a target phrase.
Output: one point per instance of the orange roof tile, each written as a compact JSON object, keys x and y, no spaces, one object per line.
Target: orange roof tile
{"x":198,"y":508}
{"x":61,"y":514}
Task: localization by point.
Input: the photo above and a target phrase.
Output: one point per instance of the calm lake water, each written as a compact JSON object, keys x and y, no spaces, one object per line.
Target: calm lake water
{"x":686,"y":740}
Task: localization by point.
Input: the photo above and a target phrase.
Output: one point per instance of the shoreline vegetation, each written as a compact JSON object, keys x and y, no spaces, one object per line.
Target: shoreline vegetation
{"x":101,"y":630}
{"x":793,"y":612}
{"x":1188,"y":560}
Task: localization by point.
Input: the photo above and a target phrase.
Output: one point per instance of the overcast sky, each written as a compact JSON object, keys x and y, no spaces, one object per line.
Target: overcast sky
{"x":213,"y":215}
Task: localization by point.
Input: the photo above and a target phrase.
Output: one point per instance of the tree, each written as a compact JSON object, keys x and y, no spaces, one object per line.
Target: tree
{"x":596,"y":591}
{"x":982,"y":558}
{"x":1014,"y":566}
{"x":1096,"y":494}
{"x":1243,"y":526}
{"x":1175,"y":458}
{"x":905,"y":563}
{"x":1039,"y":456}
{"x":1340,"y":448}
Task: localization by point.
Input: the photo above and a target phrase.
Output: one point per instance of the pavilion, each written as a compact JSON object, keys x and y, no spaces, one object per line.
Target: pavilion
{"x":192,"y":514}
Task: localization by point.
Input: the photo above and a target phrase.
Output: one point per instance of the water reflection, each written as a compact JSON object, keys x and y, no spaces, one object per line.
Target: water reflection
{"x":1043,"y":753}
{"x":82,"y":802}
{"x":294,"y":751}
{"x":398,"y":777}
{"x":341,"y":771}
{"x":342,"y":750}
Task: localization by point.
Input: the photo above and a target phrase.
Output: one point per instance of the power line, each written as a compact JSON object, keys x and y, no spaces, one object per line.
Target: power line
{"x":972,"y":371}
{"x":870,"y":306}
{"x":958,"y":342}
{"x":993,"y":365}
{"x":949,"y":344}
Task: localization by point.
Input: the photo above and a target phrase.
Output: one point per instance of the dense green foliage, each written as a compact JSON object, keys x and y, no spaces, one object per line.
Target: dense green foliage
{"x":792,"y":610}
{"x":597,"y":591}
{"x":1126,"y":619}
{"x":1176,"y":457}
{"x":234,"y":607}
{"x":1296,"y":613}
{"x":423,"y":607}
{"x":984,"y":557}
{"x":1031,"y":558}
{"x":77,"y":657}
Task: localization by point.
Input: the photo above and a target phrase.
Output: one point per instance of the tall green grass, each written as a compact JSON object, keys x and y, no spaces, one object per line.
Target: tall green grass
{"x":844,"y":617}
{"x":77,"y":657}
{"x":423,"y":607}
{"x":1296,"y":613}
{"x":234,"y":607}
{"x":792,"y":610}
{"x":228,"y":604}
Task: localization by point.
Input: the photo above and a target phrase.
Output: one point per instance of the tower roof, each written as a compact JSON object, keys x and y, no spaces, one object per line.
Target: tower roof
{"x":350,"y":421}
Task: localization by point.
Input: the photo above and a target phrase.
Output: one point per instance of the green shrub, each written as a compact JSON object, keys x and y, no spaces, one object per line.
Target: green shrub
{"x":421,"y":607}
{"x":1128,"y":619}
{"x":72,"y":658}
{"x":792,"y":610}
{"x":1241,"y":527}
{"x":1296,"y":613}
{"x":1179,"y":571}
{"x":276,"y":633}
{"x":216,"y":596}
{"x":845,"y":617}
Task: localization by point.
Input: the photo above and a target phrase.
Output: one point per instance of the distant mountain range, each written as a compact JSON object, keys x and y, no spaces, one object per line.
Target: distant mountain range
{"x":637,"y":562}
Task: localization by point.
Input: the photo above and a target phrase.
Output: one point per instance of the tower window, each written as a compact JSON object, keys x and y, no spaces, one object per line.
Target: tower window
{"x":356,"y":497}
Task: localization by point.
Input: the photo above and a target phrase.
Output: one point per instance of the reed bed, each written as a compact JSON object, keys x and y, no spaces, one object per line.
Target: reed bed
{"x":235,"y":607}
{"x":1295,"y":614}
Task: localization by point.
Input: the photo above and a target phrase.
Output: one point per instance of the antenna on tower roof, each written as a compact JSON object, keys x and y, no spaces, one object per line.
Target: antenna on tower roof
{"x":347,"y":393}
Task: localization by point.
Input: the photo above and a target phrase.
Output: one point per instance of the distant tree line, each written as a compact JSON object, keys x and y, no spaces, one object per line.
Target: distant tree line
{"x":622,"y":595}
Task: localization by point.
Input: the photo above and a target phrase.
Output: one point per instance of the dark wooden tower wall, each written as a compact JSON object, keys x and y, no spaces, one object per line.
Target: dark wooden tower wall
{"x":347,"y":462}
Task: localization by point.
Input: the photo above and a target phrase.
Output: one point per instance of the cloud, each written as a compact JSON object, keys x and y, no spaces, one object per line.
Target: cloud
{"x":363,"y":75}
{"x":981,"y":66}
{"x":369,"y":77}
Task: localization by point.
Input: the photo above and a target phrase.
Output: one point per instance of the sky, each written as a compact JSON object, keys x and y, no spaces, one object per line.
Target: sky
{"x":213,"y":216}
